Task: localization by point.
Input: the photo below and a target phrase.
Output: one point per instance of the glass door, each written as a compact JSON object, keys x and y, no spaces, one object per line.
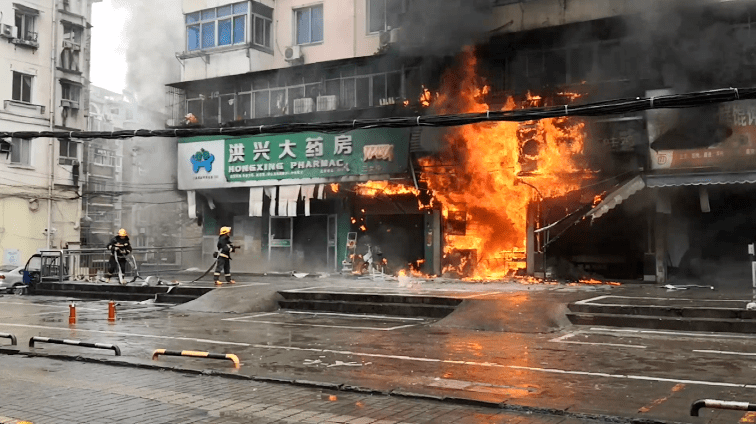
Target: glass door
{"x":280,"y":243}
{"x":332,"y":237}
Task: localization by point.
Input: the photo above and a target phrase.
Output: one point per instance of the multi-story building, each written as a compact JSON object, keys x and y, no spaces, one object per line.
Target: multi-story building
{"x":131,"y":183}
{"x":44,"y":53}
{"x":253,"y":63}
{"x":665,"y":186}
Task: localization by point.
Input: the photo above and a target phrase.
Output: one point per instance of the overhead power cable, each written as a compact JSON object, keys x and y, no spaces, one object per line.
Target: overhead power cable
{"x":610,"y":107}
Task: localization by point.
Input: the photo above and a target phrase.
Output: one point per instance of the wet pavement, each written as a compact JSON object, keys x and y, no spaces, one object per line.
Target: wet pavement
{"x":507,"y":345}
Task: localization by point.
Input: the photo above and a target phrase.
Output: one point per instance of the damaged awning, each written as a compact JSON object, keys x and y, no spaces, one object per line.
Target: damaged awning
{"x":616,"y":196}
{"x":692,"y":179}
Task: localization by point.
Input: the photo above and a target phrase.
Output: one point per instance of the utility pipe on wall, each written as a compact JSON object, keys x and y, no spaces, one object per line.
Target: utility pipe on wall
{"x":53,"y":109}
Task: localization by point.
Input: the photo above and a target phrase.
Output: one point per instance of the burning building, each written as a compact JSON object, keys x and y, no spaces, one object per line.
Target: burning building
{"x":622,"y":197}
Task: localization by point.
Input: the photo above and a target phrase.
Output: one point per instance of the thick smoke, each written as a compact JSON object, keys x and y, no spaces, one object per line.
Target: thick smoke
{"x":443,"y":27}
{"x":154,"y":33}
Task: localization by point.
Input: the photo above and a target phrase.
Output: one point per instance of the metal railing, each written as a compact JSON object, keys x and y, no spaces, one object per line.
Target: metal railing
{"x":94,"y":264}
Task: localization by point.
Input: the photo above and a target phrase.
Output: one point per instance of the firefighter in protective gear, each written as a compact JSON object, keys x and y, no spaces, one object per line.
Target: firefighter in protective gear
{"x":224,"y":256}
{"x":119,"y":247}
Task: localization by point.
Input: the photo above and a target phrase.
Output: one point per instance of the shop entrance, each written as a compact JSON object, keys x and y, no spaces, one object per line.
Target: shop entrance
{"x":306,"y":243}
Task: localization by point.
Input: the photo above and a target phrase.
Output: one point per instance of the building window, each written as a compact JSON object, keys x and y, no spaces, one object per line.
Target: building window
{"x":21,"y":151}
{"x":69,"y":55}
{"x":384,"y":15}
{"x":70,"y":92}
{"x":219,"y":26}
{"x":69,"y":151}
{"x":309,"y":22}
{"x":25,"y":19}
{"x":22,"y":85}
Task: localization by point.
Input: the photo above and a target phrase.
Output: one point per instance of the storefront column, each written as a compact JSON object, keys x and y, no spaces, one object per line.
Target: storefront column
{"x":432,"y":243}
{"x":663,"y":212}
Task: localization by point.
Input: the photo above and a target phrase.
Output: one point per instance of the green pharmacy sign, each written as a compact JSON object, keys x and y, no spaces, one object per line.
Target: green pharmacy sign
{"x":317,"y":155}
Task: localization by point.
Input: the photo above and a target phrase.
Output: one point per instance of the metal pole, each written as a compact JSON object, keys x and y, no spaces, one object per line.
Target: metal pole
{"x":51,"y":142}
{"x":752,"y":255}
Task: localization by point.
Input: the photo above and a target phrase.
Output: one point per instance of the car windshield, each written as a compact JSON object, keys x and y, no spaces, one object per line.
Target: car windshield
{"x":7,"y":268}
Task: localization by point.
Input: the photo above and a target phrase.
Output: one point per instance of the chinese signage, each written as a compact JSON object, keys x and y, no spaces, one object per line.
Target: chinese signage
{"x":313,"y":157}
{"x":734,"y":149}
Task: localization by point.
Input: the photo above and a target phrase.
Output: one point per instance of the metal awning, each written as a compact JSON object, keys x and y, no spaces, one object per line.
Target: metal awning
{"x":616,"y":197}
{"x":693,"y":179}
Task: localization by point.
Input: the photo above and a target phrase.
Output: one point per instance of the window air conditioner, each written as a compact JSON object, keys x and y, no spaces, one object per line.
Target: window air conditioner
{"x":8,"y":31}
{"x":292,"y":53}
{"x":69,"y":103}
{"x":326,"y":103}
{"x":303,"y":105}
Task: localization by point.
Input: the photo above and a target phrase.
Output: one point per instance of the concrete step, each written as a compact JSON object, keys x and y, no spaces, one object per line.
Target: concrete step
{"x":657,"y":322}
{"x":370,"y":303}
{"x":120,"y":292}
{"x":665,"y":311}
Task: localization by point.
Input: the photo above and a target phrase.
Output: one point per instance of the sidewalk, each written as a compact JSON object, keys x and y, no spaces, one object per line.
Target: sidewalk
{"x":48,"y":391}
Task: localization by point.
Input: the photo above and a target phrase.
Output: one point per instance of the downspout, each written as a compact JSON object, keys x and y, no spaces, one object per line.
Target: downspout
{"x":51,"y":142}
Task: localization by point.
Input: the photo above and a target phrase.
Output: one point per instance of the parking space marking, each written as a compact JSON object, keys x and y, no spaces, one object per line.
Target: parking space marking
{"x":241,"y":318}
{"x":517,"y":367}
{"x":673,"y":333}
{"x":724,"y":352}
{"x":118,"y":333}
{"x":563,"y":339}
{"x":349,"y":327}
{"x":387,"y":317}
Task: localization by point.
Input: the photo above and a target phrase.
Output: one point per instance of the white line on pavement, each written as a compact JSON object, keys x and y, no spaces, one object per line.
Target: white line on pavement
{"x":387,"y":317}
{"x":329,"y":326}
{"x":117,"y":333}
{"x":249,"y":316}
{"x":724,"y":352}
{"x":563,"y":339}
{"x":535,"y":369}
{"x":674,"y":333}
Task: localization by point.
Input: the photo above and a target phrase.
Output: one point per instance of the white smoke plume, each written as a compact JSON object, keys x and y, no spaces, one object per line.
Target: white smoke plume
{"x":153,"y":34}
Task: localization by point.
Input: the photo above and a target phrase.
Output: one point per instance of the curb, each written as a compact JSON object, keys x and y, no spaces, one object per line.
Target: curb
{"x":504,"y":406}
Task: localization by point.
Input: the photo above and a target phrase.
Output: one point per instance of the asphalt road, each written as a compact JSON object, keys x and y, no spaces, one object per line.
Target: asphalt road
{"x":511,"y":348}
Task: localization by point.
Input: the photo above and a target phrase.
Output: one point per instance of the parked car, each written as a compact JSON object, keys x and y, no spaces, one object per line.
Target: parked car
{"x":12,"y":279}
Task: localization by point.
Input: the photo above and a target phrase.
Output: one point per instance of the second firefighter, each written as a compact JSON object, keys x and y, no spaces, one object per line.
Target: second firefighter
{"x":224,"y":256}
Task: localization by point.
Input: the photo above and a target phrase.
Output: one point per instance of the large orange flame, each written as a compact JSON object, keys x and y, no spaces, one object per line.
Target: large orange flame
{"x":493,"y":170}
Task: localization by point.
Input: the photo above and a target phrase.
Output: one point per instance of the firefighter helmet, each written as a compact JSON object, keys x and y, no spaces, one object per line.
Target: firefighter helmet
{"x":122,"y":233}
{"x":225,"y":230}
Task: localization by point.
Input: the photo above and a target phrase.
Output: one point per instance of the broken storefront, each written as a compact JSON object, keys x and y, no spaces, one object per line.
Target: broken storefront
{"x":293,"y":202}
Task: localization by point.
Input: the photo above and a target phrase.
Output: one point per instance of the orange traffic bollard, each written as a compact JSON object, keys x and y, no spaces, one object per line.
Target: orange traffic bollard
{"x":111,"y":311}
{"x":72,"y":313}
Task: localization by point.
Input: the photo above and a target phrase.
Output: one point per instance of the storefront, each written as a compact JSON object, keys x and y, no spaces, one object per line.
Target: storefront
{"x":287,"y":197}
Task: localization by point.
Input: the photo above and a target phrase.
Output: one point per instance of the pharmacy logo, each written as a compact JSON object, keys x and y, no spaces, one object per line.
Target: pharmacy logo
{"x":202,"y":159}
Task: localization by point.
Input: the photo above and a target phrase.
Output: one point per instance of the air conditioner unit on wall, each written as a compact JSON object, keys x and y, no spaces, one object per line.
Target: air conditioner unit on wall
{"x":8,"y":31}
{"x":303,"y":105}
{"x":327,"y":103}
{"x":292,"y":53}
{"x":390,"y":36}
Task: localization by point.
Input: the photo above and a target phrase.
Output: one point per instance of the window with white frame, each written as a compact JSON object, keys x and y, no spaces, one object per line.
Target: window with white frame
{"x":70,"y":93}
{"x":69,"y":55}
{"x":22,"y":86}
{"x":219,"y":26}
{"x":69,"y":151}
{"x":262,"y":23}
{"x":21,"y":151}
{"x":25,"y":23}
{"x":309,"y":24}
{"x":383,"y":15}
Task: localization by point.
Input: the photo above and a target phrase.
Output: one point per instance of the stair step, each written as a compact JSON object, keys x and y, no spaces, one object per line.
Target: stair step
{"x":664,"y":311}
{"x":715,"y":325}
{"x":371,"y":298}
{"x":382,"y":308}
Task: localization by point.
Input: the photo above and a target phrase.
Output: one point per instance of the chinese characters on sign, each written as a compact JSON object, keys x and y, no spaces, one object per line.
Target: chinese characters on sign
{"x":316,"y":155}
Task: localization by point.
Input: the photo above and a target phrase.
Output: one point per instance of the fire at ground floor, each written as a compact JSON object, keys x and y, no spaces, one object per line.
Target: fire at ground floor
{"x":666,"y":232}
{"x":331,"y":233}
